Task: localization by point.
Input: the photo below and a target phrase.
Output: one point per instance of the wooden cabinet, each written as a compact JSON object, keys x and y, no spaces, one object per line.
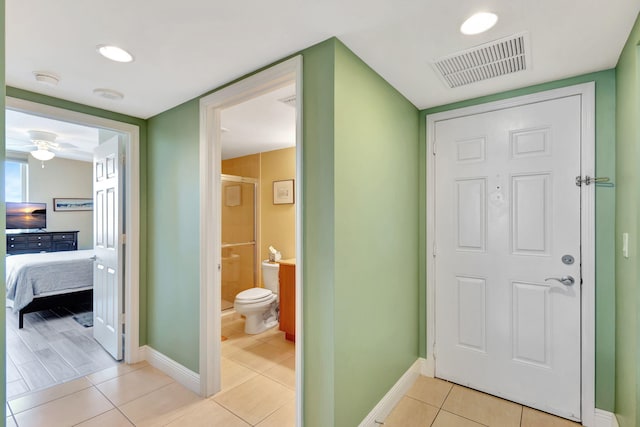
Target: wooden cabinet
{"x":41,"y":241}
{"x":287,"y":277}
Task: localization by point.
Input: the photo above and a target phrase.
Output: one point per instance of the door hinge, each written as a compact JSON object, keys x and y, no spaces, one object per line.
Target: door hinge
{"x":123,"y":239}
{"x":122,"y":318}
{"x":434,"y":249}
{"x":587,"y":180}
{"x":122,"y":159}
{"x":433,"y":149}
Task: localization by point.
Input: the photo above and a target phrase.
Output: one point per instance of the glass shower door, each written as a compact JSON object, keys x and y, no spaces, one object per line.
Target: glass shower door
{"x":238,"y":237}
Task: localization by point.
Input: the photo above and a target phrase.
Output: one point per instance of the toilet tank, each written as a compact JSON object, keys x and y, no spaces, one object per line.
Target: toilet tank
{"x":270,"y":275}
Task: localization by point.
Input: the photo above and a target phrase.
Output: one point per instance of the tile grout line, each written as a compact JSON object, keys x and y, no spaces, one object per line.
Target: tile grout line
{"x":114,"y":405}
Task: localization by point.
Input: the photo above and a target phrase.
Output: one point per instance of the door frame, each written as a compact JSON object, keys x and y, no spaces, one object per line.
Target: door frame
{"x":284,"y":73}
{"x":131,"y":211}
{"x":587,"y":215}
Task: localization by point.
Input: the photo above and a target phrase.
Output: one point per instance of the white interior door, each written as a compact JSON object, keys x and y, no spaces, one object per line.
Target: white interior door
{"x":507,"y":215}
{"x":108,"y":292}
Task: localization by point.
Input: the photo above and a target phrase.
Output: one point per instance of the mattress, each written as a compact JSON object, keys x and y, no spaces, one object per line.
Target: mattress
{"x":31,"y":275}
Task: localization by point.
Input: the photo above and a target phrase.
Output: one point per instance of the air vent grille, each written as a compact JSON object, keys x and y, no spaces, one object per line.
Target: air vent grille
{"x":497,"y":58}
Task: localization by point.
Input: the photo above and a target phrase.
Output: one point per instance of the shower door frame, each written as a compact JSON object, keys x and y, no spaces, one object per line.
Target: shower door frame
{"x":255,"y":243}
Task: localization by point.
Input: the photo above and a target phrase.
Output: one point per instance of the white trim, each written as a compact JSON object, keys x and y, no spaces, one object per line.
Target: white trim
{"x":210,"y":256}
{"x":132,"y":201}
{"x":382,"y":410}
{"x":181,"y":374}
{"x":587,"y":92}
{"x":605,"y":419}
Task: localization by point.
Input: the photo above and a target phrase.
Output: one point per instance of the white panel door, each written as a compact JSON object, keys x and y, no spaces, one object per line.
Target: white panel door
{"x":507,"y":211}
{"x":108,"y":290}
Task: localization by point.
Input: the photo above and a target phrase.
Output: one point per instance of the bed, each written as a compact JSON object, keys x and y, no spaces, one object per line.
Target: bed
{"x":45,"y":280}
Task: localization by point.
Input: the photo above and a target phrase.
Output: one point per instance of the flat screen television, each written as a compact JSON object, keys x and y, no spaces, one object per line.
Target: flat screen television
{"x":26,"y":216}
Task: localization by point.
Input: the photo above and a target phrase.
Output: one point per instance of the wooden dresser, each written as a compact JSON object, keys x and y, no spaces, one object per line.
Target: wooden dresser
{"x":41,"y":241}
{"x":287,"y":277}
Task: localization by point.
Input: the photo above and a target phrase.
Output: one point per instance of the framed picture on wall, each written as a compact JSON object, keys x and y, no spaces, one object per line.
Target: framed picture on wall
{"x":72,"y":204}
{"x":283,"y":192}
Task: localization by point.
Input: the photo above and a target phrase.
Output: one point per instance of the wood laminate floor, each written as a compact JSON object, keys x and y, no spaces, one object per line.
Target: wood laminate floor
{"x":51,"y":349}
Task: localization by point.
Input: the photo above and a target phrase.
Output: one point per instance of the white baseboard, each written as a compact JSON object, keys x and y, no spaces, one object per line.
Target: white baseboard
{"x":428,"y":367}
{"x":393,"y":396}
{"x":605,"y":419}
{"x":184,"y":376}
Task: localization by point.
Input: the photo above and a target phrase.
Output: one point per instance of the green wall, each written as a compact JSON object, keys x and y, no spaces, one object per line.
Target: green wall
{"x":376,"y":237}
{"x":627,"y":404}
{"x":173,"y":291}
{"x":605,"y":214}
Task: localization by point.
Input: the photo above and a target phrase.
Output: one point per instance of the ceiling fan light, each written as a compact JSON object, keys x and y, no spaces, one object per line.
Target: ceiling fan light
{"x":43,"y":155}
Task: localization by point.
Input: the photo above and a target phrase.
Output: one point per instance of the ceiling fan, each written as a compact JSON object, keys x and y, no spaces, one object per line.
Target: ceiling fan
{"x":44,"y":142}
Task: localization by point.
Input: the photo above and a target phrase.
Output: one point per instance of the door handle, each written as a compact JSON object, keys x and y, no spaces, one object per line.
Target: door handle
{"x":93,"y":258}
{"x":565,"y":280}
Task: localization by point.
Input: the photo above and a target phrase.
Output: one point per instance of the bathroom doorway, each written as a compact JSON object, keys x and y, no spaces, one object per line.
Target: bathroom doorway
{"x":264,"y":364}
{"x":238,"y":229}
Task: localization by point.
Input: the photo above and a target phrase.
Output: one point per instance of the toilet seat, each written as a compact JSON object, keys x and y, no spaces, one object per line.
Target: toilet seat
{"x":253,"y":296}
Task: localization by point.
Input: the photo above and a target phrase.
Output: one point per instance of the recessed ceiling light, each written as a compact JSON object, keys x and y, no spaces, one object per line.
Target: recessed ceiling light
{"x":46,"y":78}
{"x":114,"y":53}
{"x":479,"y":23}
{"x":108,"y":94}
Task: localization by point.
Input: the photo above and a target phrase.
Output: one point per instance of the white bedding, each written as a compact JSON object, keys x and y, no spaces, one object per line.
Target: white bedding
{"x":29,"y":275}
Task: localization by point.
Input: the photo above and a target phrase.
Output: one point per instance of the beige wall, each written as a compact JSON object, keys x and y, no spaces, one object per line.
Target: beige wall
{"x":277,"y":223}
{"x":248,"y":166}
{"x":63,"y":178}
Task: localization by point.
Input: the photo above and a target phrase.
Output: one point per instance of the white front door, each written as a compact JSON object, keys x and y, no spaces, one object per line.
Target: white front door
{"x":507,"y":218}
{"x":107,"y":272}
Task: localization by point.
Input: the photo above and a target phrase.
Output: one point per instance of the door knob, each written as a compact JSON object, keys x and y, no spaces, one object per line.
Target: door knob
{"x":565,"y":280}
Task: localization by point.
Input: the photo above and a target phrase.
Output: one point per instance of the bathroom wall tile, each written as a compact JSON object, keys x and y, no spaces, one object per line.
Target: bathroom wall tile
{"x":430,"y":390}
{"x":411,"y":413}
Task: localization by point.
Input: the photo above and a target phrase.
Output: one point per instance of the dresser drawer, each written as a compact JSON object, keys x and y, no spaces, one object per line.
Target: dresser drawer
{"x":17,"y":246}
{"x":16,"y":239}
{"x":45,"y":244}
{"x":33,"y":239}
{"x":57,"y":237}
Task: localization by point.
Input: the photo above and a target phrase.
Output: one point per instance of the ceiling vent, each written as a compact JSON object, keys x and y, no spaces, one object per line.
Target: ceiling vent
{"x":486,"y":61}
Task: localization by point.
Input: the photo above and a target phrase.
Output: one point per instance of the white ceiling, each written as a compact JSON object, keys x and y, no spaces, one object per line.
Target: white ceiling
{"x":261,"y":124}
{"x":185,"y":48}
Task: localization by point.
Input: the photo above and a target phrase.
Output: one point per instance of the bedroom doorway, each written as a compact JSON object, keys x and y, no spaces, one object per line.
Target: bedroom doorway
{"x":262,"y":349}
{"x":69,"y":349}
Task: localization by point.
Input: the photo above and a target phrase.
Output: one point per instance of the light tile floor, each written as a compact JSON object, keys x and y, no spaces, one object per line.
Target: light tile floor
{"x":258,"y":389}
{"x":437,"y":403}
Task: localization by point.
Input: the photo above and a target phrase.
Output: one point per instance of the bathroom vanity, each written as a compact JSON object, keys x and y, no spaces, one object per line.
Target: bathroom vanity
{"x":287,"y":278}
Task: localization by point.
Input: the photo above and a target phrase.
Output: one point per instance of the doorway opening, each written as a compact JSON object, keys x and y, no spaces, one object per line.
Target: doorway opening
{"x":69,"y":231}
{"x":219,"y":159}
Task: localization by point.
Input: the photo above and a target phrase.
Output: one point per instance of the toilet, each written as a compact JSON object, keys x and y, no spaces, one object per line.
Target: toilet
{"x":260,"y":305}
